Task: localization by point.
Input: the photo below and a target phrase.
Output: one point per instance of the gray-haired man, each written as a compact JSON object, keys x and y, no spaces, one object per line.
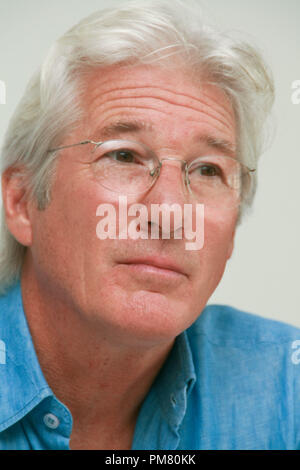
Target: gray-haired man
{"x":108,"y":342}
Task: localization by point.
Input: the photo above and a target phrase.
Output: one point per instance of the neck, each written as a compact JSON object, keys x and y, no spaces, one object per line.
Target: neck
{"x":101,"y":381}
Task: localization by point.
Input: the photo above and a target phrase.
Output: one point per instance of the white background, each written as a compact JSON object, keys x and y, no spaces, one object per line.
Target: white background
{"x":263,"y":275}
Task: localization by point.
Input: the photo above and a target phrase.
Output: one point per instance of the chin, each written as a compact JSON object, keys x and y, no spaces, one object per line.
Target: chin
{"x":147,"y":316}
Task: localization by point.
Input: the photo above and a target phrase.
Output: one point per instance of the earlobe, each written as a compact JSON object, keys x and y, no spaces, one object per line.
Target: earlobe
{"x":16,"y":204}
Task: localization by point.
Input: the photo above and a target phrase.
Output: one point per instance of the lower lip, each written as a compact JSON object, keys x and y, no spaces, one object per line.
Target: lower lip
{"x":146,"y":269}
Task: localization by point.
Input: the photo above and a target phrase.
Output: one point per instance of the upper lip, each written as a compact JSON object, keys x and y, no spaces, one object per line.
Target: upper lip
{"x":158,"y":262}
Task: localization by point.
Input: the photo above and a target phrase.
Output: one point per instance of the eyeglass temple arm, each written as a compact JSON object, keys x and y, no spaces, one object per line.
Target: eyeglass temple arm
{"x":83,"y":142}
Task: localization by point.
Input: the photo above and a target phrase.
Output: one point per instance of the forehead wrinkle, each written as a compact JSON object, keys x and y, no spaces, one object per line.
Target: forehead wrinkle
{"x":129,"y":108}
{"x":203,"y":110}
{"x":221,"y":110}
{"x":127,"y":124}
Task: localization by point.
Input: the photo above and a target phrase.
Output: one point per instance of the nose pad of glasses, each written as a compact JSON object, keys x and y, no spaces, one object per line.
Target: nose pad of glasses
{"x":155,"y":172}
{"x":184,"y":171}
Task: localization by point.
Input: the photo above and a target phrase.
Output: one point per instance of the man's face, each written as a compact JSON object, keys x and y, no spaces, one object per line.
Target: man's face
{"x":150,"y":290}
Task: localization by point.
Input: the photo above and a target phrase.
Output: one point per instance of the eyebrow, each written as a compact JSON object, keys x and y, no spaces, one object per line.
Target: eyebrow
{"x":118,"y":128}
{"x":223,"y":145}
{"x":124,"y":127}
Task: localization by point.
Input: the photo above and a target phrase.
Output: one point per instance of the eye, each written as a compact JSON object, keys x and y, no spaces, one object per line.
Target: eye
{"x":209,"y":170}
{"x":123,"y":156}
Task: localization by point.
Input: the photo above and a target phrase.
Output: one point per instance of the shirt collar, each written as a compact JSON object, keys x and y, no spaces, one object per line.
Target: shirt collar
{"x":165,"y":406}
{"x":175,"y":381}
{"x":22,"y":383}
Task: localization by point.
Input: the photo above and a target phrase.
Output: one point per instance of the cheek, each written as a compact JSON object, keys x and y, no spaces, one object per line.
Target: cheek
{"x":54,"y":252}
{"x":62,"y":233}
{"x":65,"y":238}
{"x":219,"y":230}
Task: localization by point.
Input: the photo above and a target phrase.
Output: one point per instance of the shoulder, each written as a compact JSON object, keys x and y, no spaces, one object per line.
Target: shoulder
{"x":247,"y":371}
{"x":225,"y":325}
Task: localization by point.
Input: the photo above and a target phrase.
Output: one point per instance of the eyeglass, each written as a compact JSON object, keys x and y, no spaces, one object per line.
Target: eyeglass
{"x":132,"y":168}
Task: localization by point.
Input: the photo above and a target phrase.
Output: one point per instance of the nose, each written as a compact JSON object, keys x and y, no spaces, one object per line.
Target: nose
{"x":168,"y":196}
{"x":175,"y":166}
{"x":184,"y":171}
{"x":172,"y":183}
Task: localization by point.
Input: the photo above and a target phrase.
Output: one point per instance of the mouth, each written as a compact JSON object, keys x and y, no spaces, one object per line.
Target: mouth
{"x":156,"y":265}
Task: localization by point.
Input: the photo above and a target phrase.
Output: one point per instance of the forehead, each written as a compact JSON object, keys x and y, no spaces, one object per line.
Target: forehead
{"x":152,"y":95}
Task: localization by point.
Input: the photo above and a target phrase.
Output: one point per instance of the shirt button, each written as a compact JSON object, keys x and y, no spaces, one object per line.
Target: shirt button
{"x":51,"y":421}
{"x":173,"y":400}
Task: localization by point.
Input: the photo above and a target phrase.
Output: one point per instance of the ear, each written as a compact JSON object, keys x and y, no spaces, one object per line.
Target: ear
{"x":16,"y":205}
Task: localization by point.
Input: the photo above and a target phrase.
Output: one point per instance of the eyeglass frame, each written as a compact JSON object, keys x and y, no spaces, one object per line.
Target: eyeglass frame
{"x":186,"y":164}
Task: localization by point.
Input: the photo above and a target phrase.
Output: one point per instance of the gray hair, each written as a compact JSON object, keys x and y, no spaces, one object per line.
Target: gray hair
{"x":138,"y":32}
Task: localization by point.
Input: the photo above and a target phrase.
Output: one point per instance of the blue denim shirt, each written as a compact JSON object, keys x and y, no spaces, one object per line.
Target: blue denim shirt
{"x":231,"y":381}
